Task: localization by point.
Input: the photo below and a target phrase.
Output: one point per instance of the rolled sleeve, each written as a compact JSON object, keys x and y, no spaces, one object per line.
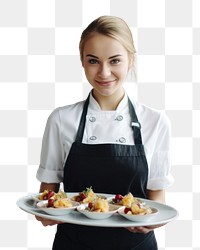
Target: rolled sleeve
{"x":49,"y":176}
{"x":52,"y":153}
{"x":160,"y":176}
{"x":160,"y":164}
{"x":160,"y":184}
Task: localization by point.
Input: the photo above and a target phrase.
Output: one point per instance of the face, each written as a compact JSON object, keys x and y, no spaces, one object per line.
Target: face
{"x":106,"y":64}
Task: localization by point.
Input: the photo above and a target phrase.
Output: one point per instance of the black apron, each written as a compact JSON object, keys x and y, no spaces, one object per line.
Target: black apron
{"x":108,"y":168}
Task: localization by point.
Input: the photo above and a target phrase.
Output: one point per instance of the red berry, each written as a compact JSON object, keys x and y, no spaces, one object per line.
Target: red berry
{"x":126,"y":210}
{"x":118,"y":197}
{"x":90,"y":205}
{"x":78,"y":199}
{"x":50,"y":203}
{"x":50,"y":194}
{"x":82,"y":196}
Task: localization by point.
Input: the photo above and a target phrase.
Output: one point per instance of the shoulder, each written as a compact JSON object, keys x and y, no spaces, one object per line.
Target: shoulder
{"x":150,"y":117}
{"x":67,"y":110}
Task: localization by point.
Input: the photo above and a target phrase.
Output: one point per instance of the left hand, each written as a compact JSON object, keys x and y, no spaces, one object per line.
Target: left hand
{"x":155,"y":195}
{"x":143,"y":230}
{"x":47,"y":222}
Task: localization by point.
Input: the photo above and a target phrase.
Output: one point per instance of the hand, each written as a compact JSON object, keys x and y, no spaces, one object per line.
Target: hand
{"x":47,"y":222}
{"x":144,"y":230}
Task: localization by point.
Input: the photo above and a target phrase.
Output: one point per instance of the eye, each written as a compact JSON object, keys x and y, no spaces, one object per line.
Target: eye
{"x":115,"y":61}
{"x":93,"y":61}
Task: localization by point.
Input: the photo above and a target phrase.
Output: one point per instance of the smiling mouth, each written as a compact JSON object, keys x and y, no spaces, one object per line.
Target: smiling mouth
{"x":105,"y":83}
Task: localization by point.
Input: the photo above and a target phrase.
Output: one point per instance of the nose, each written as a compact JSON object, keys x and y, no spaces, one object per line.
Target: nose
{"x":104,"y":70}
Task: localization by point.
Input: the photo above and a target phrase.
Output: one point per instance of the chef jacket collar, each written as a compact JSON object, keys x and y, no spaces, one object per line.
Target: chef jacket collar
{"x":94,"y":105}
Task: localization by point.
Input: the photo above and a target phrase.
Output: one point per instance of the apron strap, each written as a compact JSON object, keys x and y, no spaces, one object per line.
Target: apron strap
{"x":79,"y":135}
{"x":136,"y":127}
{"x":134,"y":123}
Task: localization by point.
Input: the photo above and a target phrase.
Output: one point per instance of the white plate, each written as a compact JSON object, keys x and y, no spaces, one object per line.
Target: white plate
{"x":97,"y":215}
{"x":35,"y":197}
{"x":42,"y":205}
{"x":165,"y":215}
{"x":138,"y":218}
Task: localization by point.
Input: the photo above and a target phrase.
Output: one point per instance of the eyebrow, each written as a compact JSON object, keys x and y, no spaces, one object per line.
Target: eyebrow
{"x":90,"y":55}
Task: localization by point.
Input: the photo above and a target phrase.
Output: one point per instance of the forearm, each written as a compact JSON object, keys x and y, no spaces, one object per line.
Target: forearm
{"x":49,"y":186}
{"x":156,"y":195}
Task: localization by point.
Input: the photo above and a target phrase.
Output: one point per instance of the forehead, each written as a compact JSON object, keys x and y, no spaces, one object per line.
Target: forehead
{"x":99,"y":44}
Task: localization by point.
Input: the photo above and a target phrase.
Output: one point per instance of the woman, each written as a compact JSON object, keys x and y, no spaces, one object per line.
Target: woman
{"x":99,"y":142}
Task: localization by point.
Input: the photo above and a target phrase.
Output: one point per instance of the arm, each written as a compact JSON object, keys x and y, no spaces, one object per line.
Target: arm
{"x":156,"y":195}
{"x":48,"y":186}
{"x":51,"y":159}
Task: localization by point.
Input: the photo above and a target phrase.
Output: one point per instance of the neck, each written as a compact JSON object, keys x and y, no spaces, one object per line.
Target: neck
{"x":109,"y":102}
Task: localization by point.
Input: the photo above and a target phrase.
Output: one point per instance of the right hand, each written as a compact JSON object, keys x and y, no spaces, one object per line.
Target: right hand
{"x":47,"y":222}
{"x":54,"y":187}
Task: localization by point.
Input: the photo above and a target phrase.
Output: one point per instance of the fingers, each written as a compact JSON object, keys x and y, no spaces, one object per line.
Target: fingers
{"x":130,"y":229}
{"x":155,"y":226}
{"x":143,"y":230}
{"x":47,"y":222}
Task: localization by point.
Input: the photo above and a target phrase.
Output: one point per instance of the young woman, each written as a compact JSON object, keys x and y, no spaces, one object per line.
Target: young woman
{"x":107,"y":141}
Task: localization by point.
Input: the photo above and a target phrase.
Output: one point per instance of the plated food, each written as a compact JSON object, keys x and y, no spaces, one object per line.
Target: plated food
{"x":95,"y":206}
{"x":86,"y":196}
{"x":161,"y":213}
{"x":55,"y":203}
{"x":126,"y":200}
{"x":116,"y":200}
{"x":135,"y":209}
{"x":138,"y":217}
{"x":47,"y":194}
{"x":98,"y":205}
{"x":60,"y":207}
{"x":98,"y":209}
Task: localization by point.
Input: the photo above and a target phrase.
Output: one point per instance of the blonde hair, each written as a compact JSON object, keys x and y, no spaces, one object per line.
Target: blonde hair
{"x":110,"y":26}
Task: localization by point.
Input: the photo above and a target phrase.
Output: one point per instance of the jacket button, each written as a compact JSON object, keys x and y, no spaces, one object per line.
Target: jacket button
{"x":122,"y":140}
{"x":92,"y":119}
{"x":93,"y":138}
{"x":119,"y":118}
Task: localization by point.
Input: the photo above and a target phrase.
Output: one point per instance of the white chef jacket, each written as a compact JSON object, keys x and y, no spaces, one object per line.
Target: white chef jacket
{"x":106,"y":127}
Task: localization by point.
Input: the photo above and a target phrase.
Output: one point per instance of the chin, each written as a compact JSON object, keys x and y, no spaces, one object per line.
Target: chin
{"x":107,"y":93}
